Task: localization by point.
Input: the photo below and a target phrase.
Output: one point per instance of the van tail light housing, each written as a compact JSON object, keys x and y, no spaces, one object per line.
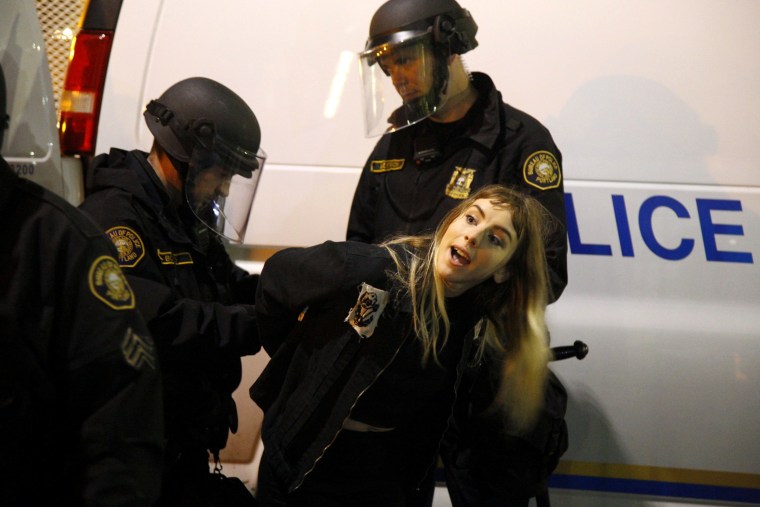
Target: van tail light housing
{"x":83,"y":91}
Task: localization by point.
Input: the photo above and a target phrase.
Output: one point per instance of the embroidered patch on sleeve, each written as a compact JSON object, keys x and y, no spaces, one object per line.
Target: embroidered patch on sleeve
{"x":138,"y":351}
{"x":542,"y":170}
{"x":460,"y":185}
{"x":384,"y":166}
{"x":365,"y":314}
{"x":109,"y":285}
{"x":128,"y":243}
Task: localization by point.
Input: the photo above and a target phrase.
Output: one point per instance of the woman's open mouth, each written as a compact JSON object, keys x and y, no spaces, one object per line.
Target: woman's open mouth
{"x":459,"y":257}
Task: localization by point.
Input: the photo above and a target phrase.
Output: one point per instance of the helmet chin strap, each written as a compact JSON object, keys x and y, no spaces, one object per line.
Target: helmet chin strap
{"x":456,"y":105}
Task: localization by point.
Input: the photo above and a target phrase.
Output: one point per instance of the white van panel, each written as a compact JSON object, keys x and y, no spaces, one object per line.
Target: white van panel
{"x":661,"y":91}
{"x":314,"y":210}
{"x":654,"y":106}
{"x":672,"y":376}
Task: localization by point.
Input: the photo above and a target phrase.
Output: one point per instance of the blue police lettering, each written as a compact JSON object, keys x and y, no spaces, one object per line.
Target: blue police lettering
{"x":709,"y":229}
{"x":646,"y":212}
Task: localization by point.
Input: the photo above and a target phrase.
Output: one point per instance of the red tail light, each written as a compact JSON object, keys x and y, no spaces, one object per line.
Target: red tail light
{"x":83,"y":91}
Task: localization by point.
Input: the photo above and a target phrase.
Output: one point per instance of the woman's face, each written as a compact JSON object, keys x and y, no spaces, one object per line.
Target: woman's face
{"x":475,"y":247}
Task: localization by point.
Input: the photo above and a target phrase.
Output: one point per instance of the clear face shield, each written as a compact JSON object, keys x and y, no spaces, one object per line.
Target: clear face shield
{"x":221,"y":184}
{"x":401,"y":85}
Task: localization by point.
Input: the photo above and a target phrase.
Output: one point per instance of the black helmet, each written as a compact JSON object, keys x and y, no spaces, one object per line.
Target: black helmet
{"x":198,"y":111}
{"x":412,"y":39}
{"x":212,"y":134}
{"x":399,"y":20}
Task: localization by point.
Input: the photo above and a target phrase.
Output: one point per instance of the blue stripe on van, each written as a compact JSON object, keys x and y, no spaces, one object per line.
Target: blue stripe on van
{"x":656,"y":488}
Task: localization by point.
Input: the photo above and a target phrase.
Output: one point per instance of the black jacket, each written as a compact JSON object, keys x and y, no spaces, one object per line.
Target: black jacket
{"x":319,"y":365}
{"x":197,"y":302}
{"x":80,"y":389}
{"x":493,"y":143}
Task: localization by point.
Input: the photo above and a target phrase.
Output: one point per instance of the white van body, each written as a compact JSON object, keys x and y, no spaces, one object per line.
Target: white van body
{"x":655,"y":107}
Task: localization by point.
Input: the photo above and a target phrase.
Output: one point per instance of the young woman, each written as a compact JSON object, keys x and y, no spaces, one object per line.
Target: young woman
{"x":368,"y":343}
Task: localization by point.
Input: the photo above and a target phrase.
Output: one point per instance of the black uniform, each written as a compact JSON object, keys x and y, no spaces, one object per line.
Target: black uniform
{"x":194,"y":298}
{"x":493,"y":143}
{"x":80,"y":394}
{"x":413,"y":177}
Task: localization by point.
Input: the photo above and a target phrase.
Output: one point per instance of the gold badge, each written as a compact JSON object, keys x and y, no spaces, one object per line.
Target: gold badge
{"x":384,"y":166}
{"x":129,"y":245}
{"x":459,"y":186}
{"x":108,"y":284}
{"x":177,"y":259}
{"x":542,"y":171}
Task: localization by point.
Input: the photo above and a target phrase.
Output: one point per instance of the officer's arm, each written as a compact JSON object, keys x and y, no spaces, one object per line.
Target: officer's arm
{"x":556,"y":241}
{"x":242,"y":284}
{"x":361,"y":219}
{"x":550,"y":193}
{"x":195,"y":326}
{"x":113,"y":383}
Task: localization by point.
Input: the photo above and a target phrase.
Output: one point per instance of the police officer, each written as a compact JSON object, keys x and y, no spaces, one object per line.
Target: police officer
{"x":81,"y":419}
{"x":445,"y":133}
{"x":167,"y":212}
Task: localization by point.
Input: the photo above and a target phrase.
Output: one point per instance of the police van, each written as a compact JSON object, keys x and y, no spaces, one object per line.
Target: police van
{"x":654,"y":106}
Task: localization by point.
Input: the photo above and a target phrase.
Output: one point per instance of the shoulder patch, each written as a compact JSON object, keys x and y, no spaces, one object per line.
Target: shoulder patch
{"x":109,"y":285}
{"x":541,"y":170}
{"x":460,"y":184}
{"x":365,"y":314}
{"x":384,"y":166}
{"x":128,"y":243}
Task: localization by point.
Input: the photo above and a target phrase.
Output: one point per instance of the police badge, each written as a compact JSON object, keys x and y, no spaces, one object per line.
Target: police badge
{"x":460,"y":185}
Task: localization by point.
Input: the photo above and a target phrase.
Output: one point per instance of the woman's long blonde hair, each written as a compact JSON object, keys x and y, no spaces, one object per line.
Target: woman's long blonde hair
{"x":514,"y":329}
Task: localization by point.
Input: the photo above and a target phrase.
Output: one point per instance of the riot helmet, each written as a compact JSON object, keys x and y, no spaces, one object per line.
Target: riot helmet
{"x":213,"y":138}
{"x":404,"y":65}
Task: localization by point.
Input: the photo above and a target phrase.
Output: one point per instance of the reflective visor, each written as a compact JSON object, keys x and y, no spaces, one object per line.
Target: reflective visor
{"x":399,"y":84}
{"x":221,"y":185}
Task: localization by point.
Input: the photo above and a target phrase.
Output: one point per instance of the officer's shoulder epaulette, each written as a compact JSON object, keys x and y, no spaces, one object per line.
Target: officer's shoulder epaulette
{"x":514,"y":124}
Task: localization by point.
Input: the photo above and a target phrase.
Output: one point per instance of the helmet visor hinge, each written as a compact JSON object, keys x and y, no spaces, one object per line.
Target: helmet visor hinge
{"x":160,"y":112}
{"x":203,"y":132}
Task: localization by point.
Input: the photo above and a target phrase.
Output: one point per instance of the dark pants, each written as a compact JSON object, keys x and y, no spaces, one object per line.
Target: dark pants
{"x":365,"y":469}
{"x":184,"y":478}
{"x":465,"y":492}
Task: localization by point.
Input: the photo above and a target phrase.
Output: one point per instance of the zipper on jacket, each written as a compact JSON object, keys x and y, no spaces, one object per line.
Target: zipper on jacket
{"x":321,"y":454}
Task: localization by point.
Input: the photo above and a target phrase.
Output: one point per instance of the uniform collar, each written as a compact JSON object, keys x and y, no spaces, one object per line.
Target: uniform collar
{"x":484,"y":128}
{"x":131,"y":172}
{"x":482,"y":122}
